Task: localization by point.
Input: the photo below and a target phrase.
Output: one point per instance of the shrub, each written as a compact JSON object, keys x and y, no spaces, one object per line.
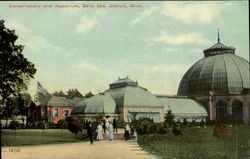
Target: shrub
{"x":176,"y":131}
{"x":151,"y":128}
{"x":14,"y":125}
{"x":202,"y":123}
{"x":29,"y":126}
{"x":169,"y":118}
{"x":185,"y":122}
{"x":63,"y":124}
{"x":121,"y":124}
{"x":41,"y":125}
{"x":221,"y":130}
{"x":75,"y":125}
{"x":161,"y":128}
{"x":143,"y":125}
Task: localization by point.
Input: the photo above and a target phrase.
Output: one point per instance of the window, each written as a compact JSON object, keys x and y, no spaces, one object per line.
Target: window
{"x":237,"y":110}
{"x":221,"y":110}
{"x":66,"y":113}
{"x":55,"y":113}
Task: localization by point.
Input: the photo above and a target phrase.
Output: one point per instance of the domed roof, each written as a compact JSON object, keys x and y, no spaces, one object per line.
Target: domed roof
{"x":221,"y":71}
{"x":99,"y":103}
{"x":130,"y":94}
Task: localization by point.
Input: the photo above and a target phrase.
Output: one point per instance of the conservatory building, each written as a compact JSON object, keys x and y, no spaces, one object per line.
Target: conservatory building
{"x":125,"y":97}
{"x":220,"y":81}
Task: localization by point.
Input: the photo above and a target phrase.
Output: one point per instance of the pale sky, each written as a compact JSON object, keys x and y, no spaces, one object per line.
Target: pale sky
{"x":88,"y":48}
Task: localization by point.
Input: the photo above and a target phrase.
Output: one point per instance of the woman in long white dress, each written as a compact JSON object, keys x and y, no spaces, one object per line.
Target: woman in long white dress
{"x":110,"y":131}
{"x":99,"y":132}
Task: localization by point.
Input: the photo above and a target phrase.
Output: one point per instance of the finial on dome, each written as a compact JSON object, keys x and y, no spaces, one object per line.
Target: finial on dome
{"x":218,"y":35}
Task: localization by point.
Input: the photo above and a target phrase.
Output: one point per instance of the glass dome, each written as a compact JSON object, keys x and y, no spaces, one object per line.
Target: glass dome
{"x":97,"y":104}
{"x":221,"y":71}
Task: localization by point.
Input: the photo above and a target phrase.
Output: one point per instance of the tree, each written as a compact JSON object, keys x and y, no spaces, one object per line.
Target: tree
{"x":89,"y":94}
{"x":10,"y":110}
{"x":24,"y":101}
{"x":73,"y":93}
{"x":59,"y":94}
{"x":74,"y":125}
{"x":16,"y":70}
{"x":169,"y":118}
{"x":18,"y":105}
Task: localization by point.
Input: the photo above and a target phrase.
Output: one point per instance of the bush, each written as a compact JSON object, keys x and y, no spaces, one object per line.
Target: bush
{"x":221,"y":130}
{"x":63,"y":124}
{"x":144,"y":126}
{"x":161,"y":128}
{"x":121,"y":124}
{"x":176,"y":131}
{"x":29,"y":126}
{"x":14,"y":125}
{"x":152,"y":128}
{"x":202,"y":123}
{"x":41,"y":125}
{"x":147,"y":126}
{"x":75,"y":125}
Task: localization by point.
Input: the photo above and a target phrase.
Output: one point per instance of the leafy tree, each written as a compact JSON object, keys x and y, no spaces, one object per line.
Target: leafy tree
{"x":72,"y":93}
{"x":11,"y":109}
{"x":59,"y":94}
{"x":169,"y":118}
{"x":74,"y":125}
{"x":89,"y":94}
{"x":14,"y":125}
{"x":16,"y":70}
{"x":24,"y":101}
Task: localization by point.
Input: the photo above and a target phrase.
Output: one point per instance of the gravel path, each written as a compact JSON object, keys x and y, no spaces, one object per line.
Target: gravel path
{"x":116,"y":149}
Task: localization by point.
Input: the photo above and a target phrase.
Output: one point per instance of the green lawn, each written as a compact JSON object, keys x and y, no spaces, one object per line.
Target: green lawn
{"x":198,"y":143}
{"x":38,"y":136}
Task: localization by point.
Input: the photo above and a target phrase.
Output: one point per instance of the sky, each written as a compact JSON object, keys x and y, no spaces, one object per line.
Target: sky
{"x":155,"y":44}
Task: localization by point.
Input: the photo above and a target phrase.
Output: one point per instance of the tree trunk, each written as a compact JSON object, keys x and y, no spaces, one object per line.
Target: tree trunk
{"x":75,"y":135}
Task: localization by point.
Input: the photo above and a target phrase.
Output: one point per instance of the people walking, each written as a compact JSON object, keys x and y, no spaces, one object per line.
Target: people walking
{"x":99,"y":131}
{"x":104,"y":126}
{"x":127,"y":131}
{"x":110,"y":131}
{"x":115,"y":124}
{"x":90,"y":132}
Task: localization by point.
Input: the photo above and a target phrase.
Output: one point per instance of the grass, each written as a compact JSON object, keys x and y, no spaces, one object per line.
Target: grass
{"x":38,"y":137}
{"x":198,"y":143}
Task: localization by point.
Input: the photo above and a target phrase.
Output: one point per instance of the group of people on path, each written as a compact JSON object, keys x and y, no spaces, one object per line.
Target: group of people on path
{"x":109,"y":131}
{"x":106,"y":127}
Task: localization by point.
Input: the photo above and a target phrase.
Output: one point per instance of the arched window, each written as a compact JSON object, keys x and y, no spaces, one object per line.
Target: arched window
{"x":221,"y":110}
{"x":237,"y":109}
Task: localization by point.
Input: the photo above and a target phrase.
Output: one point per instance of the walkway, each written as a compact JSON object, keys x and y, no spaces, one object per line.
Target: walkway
{"x":116,"y":149}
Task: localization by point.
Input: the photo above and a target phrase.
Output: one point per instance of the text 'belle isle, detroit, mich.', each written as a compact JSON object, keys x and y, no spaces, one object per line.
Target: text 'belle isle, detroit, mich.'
{"x":77,"y":6}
